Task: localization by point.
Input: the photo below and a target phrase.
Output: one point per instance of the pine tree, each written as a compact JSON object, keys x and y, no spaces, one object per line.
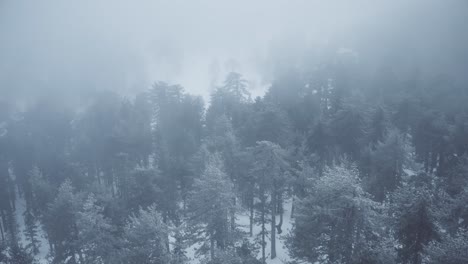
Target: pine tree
{"x":30,"y":232}
{"x":377,"y":127}
{"x":210,"y":205}
{"x":348,"y":128}
{"x":318,"y":144}
{"x":7,"y":196}
{"x":95,"y":240}
{"x":60,"y":224}
{"x":142,"y":189}
{"x":179,"y":244}
{"x":335,"y":219}
{"x":269,"y":170}
{"x":146,"y":239}
{"x":229,"y":100}
{"x":42,"y":192}
{"x":387,"y":161}
{"x":451,"y":250}
{"x":221,"y":139}
{"x":177,"y":134}
{"x":415,"y":222}
{"x":271,"y":124}
{"x":3,"y":252}
{"x":19,"y":255}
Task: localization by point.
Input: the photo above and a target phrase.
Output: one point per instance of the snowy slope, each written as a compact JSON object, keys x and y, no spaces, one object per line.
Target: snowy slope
{"x":242,"y":221}
{"x":19,"y":214}
{"x":281,"y":251}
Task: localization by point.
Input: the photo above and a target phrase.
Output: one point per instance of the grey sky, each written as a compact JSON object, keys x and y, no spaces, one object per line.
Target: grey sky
{"x":69,"y":48}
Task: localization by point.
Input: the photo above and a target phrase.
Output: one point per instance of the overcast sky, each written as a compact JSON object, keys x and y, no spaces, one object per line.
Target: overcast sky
{"x":70,"y":48}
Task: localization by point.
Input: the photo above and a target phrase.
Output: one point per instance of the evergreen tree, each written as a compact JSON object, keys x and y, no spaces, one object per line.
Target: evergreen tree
{"x":3,"y":252}
{"x":179,"y":244}
{"x":335,"y":220}
{"x":211,"y":202}
{"x":318,"y":144}
{"x":141,"y":188}
{"x":19,"y":255}
{"x":146,"y":239}
{"x":177,"y":134}
{"x":377,"y":127}
{"x":415,"y":222}
{"x":60,"y":224}
{"x":348,"y":128}
{"x":95,"y":240}
{"x":451,"y":250}
{"x":387,"y":162}
{"x":271,"y":124}
{"x":455,"y":179}
{"x":270,"y":168}
{"x":7,"y":196}
{"x":42,"y":192}
{"x":229,"y":100}
{"x":30,"y":231}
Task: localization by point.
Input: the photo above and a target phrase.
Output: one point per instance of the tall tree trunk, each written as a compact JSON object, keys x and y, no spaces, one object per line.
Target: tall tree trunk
{"x":212,"y":248}
{"x":263,"y":226}
{"x":12,"y":226}
{"x":280,"y":211}
{"x":223,"y":240}
{"x":4,"y":221}
{"x":292,"y":206}
{"x":165,"y":217}
{"x":251,"y":215}
{"x":80,"y":257}
{"x":233,"y":214}
{"x":51,"y":246}
{"x":184,"y":204}
{"x":112,"y":184}
{"x":1,"y":230}
{"x":12,"y":193}
{"x":273,"y":222}
{"x":332,"y":244}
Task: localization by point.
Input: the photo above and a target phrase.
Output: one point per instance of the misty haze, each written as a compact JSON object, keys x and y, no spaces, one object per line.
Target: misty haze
{"x":234,"y":132}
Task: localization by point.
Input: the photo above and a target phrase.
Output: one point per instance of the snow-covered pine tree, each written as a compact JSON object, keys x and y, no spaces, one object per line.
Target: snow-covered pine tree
{"x":60,"y":223}
{"x":415,"y":217}
{"x":210,"y":204}
{"x":30,"y":232}
{"x":146,"y":239}
{"x":96,"y":242}
{"x":335,"y":219}
{"x":451,"y":250}
{"x":269,"y":169}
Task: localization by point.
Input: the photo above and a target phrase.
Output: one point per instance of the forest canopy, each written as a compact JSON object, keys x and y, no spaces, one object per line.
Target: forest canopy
{"x":340,"y":136}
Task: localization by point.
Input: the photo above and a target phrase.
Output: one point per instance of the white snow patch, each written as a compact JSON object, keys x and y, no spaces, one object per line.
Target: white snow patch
{"x":282,"y":255}
{"x":409,"y":172}
{"x":242,"y":221}
{"x":41,"y":257}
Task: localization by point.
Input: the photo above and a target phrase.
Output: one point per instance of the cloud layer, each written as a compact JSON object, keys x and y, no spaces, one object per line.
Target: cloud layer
{"x":72,"y":48}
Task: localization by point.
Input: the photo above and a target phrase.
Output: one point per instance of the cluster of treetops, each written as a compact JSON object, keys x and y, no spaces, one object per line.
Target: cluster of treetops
{"x":375,"y":171}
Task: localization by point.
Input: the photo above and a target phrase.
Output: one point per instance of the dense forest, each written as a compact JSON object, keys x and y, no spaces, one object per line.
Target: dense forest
{"x":375,"y":171}
{"x":333,"y":134}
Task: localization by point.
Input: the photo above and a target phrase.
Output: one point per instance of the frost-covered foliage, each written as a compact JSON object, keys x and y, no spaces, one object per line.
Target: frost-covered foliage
{"x":336,"y":220}
{"x":340,"y":155}
{"x":210,"y":205}
{"x":451,"y":250}
{"x":146,"y":238}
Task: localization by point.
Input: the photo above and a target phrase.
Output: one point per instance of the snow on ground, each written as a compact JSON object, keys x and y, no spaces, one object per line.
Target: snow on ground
{"x":409,"y":172}
{"x":44,"y":245}
{"x":190,"y":253}
{"x":242,"y":221}
{"x":282,"y":255}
